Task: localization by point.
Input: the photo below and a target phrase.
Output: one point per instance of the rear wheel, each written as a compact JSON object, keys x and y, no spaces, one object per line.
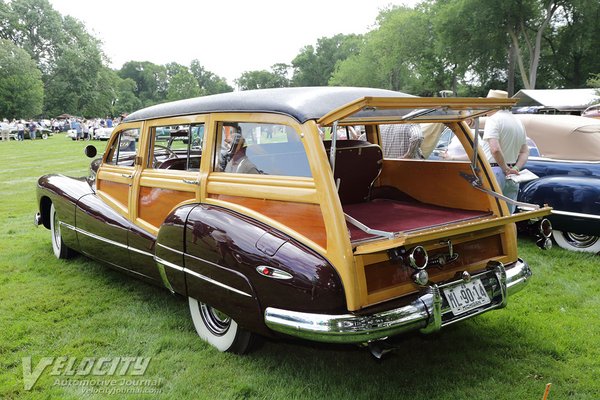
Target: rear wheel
{"x":61,"y":250}
{"x":577,"y":242}
{"x":219,"y":330}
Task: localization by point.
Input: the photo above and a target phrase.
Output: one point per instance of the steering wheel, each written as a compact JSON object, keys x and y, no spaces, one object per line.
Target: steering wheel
{"x":170,"y":153}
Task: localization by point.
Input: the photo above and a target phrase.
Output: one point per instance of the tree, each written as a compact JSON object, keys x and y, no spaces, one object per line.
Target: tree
{"x":71,"y":85}
{"x":208,"y":82}
{"x":36,"y":27}
{"x":126,"y":100}
{"x":21,"y":87}
{"x":183,"y":86}
{"x":314,"y":67}
{"x":521,"y":23}
{"x":264,"y":79}
{"x":151,"y":81}
{"x":573,"y":43}
{"x":398,"y":55}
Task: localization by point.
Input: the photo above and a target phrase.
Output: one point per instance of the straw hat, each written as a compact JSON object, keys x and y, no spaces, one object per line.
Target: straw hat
{"x":497,"y":94}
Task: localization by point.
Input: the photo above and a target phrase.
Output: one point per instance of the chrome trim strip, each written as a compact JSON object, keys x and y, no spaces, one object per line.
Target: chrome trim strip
{"x":542,"y":158}
{"x":160,"y":264}
{"x":140,"y":251}
{"x":574,"y":214}
{"x":425,"y":313}
{"x":102,"y":239}
{"x":170,"y":249}
{"x":224,"y":286}
{"x":71,"y":227}
{"x":169,"y":264}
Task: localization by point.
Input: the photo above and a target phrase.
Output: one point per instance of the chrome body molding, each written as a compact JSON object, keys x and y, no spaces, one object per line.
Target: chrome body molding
{"x":160,"y":264}
{"x":575,"y":214}
{"x":428,"y":313}
{"x":169,"y":248}
{"x":105,"y":240}
{"x":224,"y":286}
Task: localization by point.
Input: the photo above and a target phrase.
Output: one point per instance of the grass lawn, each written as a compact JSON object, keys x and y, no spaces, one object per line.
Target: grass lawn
{"x":550,"y":332}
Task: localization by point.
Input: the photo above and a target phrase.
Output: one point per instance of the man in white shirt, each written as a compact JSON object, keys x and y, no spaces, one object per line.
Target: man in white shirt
{"x":5,"y":130}
{"x":505,"y":146}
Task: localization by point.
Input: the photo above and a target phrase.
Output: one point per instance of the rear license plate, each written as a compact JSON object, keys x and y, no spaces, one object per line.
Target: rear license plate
{"x":466,"y":296}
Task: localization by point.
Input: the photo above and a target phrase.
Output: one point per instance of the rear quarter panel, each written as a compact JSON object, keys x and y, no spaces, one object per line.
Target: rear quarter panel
{"x":226,"y":247}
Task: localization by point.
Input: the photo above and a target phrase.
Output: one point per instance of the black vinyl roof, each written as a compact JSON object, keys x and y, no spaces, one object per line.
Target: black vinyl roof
{"x":301,"y":103}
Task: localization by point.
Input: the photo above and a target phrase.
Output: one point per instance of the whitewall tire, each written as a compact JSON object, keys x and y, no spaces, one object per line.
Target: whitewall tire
{"x":218,"y":329}
{"x":577,"y":242}
{"x":60,"y":249}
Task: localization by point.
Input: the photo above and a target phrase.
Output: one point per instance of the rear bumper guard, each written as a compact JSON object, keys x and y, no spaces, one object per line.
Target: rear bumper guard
{"x":428,"y":313}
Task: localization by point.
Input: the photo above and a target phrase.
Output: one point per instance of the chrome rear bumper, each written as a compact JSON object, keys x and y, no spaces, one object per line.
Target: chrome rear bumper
{"x":428,"y":313}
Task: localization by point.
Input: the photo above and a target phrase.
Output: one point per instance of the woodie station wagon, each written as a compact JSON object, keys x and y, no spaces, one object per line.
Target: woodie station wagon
{"x":276,"y":212}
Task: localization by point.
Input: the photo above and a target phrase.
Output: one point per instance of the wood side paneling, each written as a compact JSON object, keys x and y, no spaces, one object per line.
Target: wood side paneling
{"x":305,"y":219}
{"x":118,"y":191}
{"x":438,"y":183}
{"x":155,"y":204}
{"x":385,"y":278}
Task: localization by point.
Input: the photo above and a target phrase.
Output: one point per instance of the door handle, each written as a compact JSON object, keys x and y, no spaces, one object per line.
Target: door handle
{"x":127,"y":176}
{"x":190,"y":182}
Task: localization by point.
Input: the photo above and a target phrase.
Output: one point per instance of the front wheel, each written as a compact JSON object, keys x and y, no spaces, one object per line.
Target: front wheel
{"x":219,"y":330}
{"x":577,"y":242}
{"x":61,"y":250}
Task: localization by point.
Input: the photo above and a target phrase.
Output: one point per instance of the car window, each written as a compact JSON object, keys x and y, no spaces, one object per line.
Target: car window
{"x":176,"y":147}
{"x":124,"y":148}
{"x":260,"y":148}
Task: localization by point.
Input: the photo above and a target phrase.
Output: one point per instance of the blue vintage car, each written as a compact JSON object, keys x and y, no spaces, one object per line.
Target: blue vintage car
{"x":569,"y":171}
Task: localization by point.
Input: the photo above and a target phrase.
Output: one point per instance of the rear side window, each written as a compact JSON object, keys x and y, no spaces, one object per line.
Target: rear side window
{"x":124,"y":148}
{"x":260,"y":148}
{"x":176,"y":147}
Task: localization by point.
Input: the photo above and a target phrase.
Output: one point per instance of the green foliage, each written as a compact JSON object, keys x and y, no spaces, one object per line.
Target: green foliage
{"x":37,"y":28}
{"x":572,"y":55}
{"x":183,"y":85}
{"x":468,"y":46}
{"x":264,"y":79}
{"x":151,"y":81}
{"x":21,"y":87}
{"x":314,"y":67}
{"x":80,"y":308}
{"x":208,"y":82}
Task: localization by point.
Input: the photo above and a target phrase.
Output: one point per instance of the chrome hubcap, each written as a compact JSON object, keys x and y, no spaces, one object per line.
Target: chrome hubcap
{"x":579,"y":240}
{"x":217,"y":322}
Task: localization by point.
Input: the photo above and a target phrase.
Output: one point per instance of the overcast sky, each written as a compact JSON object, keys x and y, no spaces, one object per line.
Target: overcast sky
{"x":228,"y":37}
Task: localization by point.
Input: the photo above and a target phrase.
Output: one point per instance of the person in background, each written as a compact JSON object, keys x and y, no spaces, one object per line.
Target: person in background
{"x":76,"y":125}
{"x":401,"y":141}
{"x":20,"y":130}
{"x":86,"y":129}
{"x":505,"y":146}
{"x":5,"y":130}
{"x":32,"y":129}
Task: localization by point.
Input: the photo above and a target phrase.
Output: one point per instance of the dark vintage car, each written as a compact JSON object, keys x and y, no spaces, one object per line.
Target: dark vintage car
{"x":569,"y":169}
{"x":271,"y":225}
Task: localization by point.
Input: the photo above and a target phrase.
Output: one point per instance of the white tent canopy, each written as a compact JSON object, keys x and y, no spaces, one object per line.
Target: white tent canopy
{"x":564,"y":100}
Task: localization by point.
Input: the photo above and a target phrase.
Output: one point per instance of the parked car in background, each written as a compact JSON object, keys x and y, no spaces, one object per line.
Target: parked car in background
{"x":102,"y":133}
{"x":40,"y":132}
{"x":569,"y":171}
{"x":272,"y":226}
{"x":592,"y":111}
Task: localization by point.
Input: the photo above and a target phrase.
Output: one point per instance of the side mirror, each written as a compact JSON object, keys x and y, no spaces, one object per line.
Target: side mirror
{"x":90,"y":151}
